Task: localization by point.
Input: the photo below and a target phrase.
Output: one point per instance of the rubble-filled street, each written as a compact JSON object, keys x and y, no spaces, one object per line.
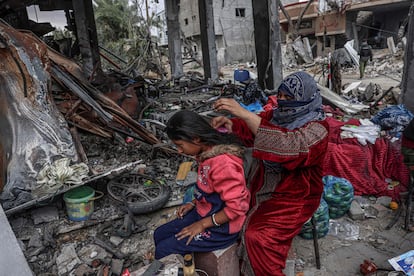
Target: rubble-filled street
{"x":111,"y":240}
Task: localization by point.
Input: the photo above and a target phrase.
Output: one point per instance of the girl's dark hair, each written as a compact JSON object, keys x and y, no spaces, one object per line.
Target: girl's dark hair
{"x":187,"y":125}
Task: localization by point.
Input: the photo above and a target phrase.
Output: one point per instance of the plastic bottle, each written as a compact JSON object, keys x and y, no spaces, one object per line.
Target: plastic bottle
{"x":189,"y":267}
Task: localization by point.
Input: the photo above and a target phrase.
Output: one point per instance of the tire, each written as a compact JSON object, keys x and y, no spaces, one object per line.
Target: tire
{"x":140,"y":193}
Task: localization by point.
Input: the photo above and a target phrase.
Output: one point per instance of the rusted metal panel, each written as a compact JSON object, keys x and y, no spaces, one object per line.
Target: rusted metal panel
{"x":33,"y":132}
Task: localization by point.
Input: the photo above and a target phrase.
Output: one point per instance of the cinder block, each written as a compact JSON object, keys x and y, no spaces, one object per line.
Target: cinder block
{"x":290,"y":262}
{"x":356,"y":212}
{"x":223,"y":262}
{"x":289,"y":268}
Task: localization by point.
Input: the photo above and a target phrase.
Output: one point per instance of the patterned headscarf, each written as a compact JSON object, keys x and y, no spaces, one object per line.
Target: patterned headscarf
{"x":306,"y":103}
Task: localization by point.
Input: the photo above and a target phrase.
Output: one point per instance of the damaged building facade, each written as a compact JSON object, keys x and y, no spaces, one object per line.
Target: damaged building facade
{"x":330,"y":24}
{"x":233,"y":29}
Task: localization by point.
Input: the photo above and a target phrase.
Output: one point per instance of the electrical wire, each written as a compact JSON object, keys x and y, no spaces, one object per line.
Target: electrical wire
{"x":202,"y":271}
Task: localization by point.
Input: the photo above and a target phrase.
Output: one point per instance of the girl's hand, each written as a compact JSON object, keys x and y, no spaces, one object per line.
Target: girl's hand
{"x":222,"y":121}
{"x":184,"y":209}
{"x":190,"y":231}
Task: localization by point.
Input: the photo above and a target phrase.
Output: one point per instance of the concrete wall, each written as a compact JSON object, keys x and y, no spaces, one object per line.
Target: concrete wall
{"x":390,"y":24}
{"x":237,"y":32}
{"x":189,"y":18}
{"x":161,"y":32}
{"x":234,"y":34}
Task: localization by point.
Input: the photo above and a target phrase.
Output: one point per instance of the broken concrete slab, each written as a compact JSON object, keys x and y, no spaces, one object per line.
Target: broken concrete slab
{"x":340,"y":102}
{"x":355,"y":211}
{"x":12,"y":259}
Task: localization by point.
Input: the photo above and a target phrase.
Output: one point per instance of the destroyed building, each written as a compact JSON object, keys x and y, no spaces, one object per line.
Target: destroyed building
{"x":233,"y":29}
{"x":330,"y":24}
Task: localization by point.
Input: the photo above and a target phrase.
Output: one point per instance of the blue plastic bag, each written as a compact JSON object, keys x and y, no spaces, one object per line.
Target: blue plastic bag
{"x":338,"y":193}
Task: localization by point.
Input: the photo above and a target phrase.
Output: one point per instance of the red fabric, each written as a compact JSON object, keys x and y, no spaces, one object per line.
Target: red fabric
{"x":405,"y":142}
{"x":271,"y":230}
{"x":278,"y":220}
{"x":366,"y":167}
{"x":271,"y":103}
{"x":330,"y":110}
{"x":300,"y":152}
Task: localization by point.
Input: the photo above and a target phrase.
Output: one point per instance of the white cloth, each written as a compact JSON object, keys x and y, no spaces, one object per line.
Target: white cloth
{"x":366,"y":133}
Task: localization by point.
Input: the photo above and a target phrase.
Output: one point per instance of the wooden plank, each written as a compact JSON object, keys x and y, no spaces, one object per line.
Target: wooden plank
{"x":183,"y":170}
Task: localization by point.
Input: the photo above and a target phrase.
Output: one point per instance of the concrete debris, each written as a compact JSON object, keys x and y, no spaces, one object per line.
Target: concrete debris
{"x":45,"y":214}
{"x":67,"y":259}
{"x":302,"y":50}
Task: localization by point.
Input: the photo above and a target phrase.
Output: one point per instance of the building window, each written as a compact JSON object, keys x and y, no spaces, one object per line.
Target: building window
{"x":305,"y":24}
{"x":240,"y":12}
{"x":186,"y":21}
{"x":327,"y":42}
{"x":160,"y":35}
{"x":195,"y":48}
{"x":193,"y":17}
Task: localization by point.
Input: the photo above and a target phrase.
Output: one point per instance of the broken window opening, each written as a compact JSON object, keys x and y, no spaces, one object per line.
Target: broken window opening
{"x":306,"y":24}
{"x":240,"y":12}
{"x":186,"y":21}
{"x":327,"y":41}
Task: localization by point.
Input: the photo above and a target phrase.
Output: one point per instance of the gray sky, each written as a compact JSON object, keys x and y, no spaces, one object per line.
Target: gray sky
{"x":56,"y":18}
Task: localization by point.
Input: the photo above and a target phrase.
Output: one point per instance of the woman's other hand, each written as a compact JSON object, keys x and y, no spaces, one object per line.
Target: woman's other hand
{"x":222,"y":121}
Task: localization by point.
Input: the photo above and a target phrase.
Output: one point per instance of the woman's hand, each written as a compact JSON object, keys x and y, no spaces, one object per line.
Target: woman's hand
{"x":191,"y":231}
{"x":184,"y":209}
{"x":222,"y":121}
{"x":231,"y":106}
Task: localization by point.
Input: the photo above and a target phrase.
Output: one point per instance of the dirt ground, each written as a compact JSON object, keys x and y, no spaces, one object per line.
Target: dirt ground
{"x":343,"y":253}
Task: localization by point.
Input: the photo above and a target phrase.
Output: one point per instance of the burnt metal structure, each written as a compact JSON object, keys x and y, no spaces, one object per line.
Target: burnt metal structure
{"x":80,"y":20}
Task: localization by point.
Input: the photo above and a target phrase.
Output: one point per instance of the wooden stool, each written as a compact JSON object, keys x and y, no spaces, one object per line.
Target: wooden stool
{"x":222,"y":262}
